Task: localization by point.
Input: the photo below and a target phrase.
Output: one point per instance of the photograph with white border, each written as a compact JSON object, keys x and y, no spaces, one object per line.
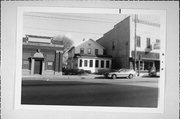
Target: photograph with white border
{"x":90,"y":59}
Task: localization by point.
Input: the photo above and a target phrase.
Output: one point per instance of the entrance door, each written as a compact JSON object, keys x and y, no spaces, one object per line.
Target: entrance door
{"x":38,"y":67}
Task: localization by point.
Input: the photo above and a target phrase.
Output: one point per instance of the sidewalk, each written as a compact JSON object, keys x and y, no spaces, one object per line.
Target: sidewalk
{"x":76,"y":77}
{"x":48,"y":77}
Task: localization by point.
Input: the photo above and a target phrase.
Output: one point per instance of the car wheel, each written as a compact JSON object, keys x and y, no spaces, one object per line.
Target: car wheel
{"x":114,"y":76}
{"x":130,"y":76}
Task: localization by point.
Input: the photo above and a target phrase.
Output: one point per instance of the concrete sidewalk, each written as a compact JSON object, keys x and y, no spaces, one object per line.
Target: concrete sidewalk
{"x":79,"y":77}
{"x":48,"y":77}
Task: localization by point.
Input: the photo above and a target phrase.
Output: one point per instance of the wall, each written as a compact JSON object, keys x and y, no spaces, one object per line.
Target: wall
{"x":86,"y":45}
{"x":8,"y":30}
{"x":93,"y":69}
{"x":49,"y":61}
{"x":120,"y":35}
{"x":144,"y":31}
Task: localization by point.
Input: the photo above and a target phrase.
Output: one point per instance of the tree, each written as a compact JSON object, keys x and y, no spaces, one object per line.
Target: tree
{"x":67,"y":42}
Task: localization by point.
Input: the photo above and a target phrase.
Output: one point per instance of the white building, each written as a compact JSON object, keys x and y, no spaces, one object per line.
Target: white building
{"x":89,"y":55}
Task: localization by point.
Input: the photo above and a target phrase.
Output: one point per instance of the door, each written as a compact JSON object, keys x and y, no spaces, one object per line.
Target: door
{"x":38,"y":67}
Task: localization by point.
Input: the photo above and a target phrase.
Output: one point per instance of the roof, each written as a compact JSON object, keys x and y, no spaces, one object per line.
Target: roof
{"x":51,"y":40}
{"x":88,"y":55}
{"x":87,"y":41}
{"x":36,"y":36}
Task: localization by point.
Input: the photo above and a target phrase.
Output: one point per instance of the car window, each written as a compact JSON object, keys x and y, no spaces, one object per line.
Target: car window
{"x":122,"y":70}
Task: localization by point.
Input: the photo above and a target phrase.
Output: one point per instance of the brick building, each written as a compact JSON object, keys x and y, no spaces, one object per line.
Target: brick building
{"x":120,"y":43}
{"x":41,"y":56}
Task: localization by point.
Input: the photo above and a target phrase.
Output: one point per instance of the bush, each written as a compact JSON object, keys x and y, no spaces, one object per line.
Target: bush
{"x":102,"y":71}
{"x":74,"y":71}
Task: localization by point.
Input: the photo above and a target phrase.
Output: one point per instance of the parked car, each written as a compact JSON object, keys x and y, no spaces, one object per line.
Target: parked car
{"x":128,"y":73}
{"x":154,"y":73}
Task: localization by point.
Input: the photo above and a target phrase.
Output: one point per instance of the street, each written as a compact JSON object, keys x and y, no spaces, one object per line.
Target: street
{"x":138,"y":92}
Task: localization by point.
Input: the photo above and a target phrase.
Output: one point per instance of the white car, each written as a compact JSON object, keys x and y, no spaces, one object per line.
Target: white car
{"x":128,"y":73}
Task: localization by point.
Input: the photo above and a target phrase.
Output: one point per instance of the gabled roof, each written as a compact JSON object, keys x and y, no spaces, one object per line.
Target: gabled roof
{"x":87,"y":41}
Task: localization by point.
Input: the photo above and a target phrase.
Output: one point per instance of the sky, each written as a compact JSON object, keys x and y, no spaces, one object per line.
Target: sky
{"x":74,"y":26}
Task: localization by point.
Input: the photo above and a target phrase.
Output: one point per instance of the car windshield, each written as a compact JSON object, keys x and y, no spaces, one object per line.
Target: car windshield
{"x":122,"y":69}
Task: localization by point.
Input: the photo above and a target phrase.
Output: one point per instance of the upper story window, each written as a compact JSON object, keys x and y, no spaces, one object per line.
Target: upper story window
{"x":81,"y":50}
{"x":89,"y":50}
{"x":96,"y":51}
{"x":104,"y":52}
{"x":157,"y":44}
{"x":138,"y":41}
{"x":148,"y":43}
{"x":157,"y":41}
{"x":113,"y":45}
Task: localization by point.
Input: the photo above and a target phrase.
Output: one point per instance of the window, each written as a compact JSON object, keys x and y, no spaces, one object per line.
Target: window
{"x":113,"y":45}
{"x":89,"y":50}
{"x":102,"y":63}
{"x":104,"y":52}
{"x":81,"y":50}
{"x":97,"y":63}
{"x":157,"y":41}
{"x":148,"y":42}
{"x":80,"y":63}
{"x":91,"y":63}
{"x":107,"y":64}
{"x":157,"y":44}
{"x":85,"y":63}
{"x":96,"y":51}
{"x":138,"y":41}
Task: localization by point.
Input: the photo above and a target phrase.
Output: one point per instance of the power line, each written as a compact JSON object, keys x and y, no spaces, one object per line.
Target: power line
{"x":71,"y":19}
{"x":87,"y":17}
{"x":80,"y":32}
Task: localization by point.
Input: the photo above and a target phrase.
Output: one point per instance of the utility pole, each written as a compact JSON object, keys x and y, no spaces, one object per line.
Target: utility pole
{"x":135,"y":52}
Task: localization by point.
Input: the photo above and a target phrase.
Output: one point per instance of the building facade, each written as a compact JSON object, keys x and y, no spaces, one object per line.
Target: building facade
{"x":88,"y":55}
{"x":120,"y":43}
{"x":41,"y":56}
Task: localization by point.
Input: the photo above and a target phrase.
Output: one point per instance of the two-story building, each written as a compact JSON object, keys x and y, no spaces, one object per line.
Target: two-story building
{"x":41,"y":56}
{"x":88,"y":55}
{"x":120,"y":43}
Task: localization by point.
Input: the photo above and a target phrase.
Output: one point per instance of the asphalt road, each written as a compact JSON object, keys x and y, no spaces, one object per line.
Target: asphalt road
{"x":91,"y":92}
